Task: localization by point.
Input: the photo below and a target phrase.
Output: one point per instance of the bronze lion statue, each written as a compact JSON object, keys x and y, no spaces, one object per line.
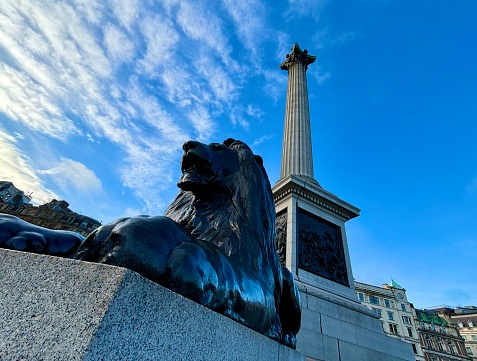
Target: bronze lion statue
{"x":215,"y":243}
{"x":19,"y":235}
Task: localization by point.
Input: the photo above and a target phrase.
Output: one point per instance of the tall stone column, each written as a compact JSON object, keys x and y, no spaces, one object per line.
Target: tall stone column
{"x":312,"y":244}
{"x":311,"y":235}
{"x":297,"y":155}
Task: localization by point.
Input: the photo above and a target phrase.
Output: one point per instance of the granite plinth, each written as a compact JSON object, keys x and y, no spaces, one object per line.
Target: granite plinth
{"x":59,"y":309}
{"x":336,"y":329}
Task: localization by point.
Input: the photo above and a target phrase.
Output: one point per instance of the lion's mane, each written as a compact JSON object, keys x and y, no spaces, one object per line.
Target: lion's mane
{"x":239,"y":217}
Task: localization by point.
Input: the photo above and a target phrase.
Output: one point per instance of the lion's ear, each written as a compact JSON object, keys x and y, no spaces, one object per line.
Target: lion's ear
{"x":228,"y":142}
{"x":259,"y":160}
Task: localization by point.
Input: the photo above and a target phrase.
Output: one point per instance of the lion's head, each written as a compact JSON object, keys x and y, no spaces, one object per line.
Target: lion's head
{"x":226,"y":199}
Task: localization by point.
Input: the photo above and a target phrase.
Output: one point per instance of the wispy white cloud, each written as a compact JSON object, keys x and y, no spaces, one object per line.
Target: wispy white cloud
{"x":261,"y":140}
{"x":27,"y":102}
{"x":126,"y":12}
{"x":202,"y":122}
{"x":316,"y":71}
{"x":18,"y":168}
{"x":72,"y":176}
{"x":118,"y":44}
{"x":220,"y":82}
{"x":344,"y":38}
{"x":250,"y":26}
{"x":254,"y":111}
{"x":305,"y":8}
{"x":140,"y":77}
{"x":198,"y":23}
{"x":161,"y":38}
{"x":275,"y":84}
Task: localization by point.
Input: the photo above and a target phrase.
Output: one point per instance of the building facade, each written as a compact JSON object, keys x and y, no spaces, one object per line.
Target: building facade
{"x":12,"y":195}
{"x":465,"y":319}
{"x":390,"y":303}
{"x":53,"y":215}
{"x":440,"y":338}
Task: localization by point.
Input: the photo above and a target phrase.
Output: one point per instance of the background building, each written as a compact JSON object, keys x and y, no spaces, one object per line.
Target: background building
{"x":440,"y":338}
{"x":53,"y":215}
{"x":390,"y":303}
{"x":12,"y":195}
{"x":465,"y":319}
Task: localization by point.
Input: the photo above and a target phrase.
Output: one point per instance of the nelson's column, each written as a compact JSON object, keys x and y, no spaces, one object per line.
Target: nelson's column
{"x":311,"y":241}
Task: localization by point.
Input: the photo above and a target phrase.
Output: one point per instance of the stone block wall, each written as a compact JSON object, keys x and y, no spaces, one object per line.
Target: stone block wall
{"x":59,"y":309}
{"x":336,"y":329}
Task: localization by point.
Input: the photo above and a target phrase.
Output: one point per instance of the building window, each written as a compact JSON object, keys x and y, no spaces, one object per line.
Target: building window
{"x":464,"y":337}
{"x":461,"y":325}
{"x":428,"y":341}
{"x":386,"y":302}
{"x":474,"y":337}
{"x":390,"y":316}
{"x":409,"y":331}
{"x":377,"y":311}
{"x":470,"y":323}
{"x":374,"y":300}
{"x":451,"y":347}
{"x":393,"y":328}
{"x":406,"y":320}
{"x":414,"y":348}
{"x":440,"y":346}
{"x":403,"y":306}
{"x":361,"y":297}
{"x":434,"y":358}
{"x":469,"y":351}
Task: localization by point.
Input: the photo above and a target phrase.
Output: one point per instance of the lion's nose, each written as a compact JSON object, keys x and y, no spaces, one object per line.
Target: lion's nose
{"x":191,"y":144}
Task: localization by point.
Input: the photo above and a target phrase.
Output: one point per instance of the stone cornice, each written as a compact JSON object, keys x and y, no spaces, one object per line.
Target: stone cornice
{"x":312,"y":192}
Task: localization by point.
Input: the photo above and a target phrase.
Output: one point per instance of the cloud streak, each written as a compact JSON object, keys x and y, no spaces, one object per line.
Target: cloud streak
{"x":141,"y":77}
{"x":74,"y":176}
{"x":18,"y":168}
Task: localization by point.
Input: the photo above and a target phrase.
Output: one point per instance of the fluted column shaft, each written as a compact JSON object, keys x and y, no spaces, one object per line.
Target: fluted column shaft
{"x":297,"y":154}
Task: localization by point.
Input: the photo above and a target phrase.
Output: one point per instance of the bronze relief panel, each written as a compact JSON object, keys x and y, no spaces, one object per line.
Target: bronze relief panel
{"x":320,"y":248}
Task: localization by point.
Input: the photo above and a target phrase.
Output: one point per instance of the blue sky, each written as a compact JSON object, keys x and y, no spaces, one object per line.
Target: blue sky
{"x":96,"y":99}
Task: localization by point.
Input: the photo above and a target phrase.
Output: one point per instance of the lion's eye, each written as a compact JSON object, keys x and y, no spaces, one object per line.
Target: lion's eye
{"x":217,"y":146}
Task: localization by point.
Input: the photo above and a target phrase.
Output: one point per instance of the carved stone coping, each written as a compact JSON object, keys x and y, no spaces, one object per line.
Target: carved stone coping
{"x":293,"y":184}
{"x":355,"y":306}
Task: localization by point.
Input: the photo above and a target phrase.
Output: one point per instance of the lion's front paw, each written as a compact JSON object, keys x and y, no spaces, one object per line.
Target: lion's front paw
{"x":25,"y":241}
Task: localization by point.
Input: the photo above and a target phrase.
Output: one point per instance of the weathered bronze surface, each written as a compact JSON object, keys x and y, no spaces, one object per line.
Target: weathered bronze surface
{"x":19,"y":235}
{"x":215,"y":244}
{"x":321,"y":248}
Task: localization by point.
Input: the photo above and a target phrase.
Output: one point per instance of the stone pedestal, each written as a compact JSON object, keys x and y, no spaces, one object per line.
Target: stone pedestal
{"x":312,"y":243}
{"x":311,"y":229}
{"x":59,"y":309}
{"x":334,"y":329}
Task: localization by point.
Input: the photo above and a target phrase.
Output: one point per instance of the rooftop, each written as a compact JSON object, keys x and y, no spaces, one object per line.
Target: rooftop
{"x":430,"y":317}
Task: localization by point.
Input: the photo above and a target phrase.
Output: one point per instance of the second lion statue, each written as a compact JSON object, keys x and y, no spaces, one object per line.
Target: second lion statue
{"x":215,"y":243}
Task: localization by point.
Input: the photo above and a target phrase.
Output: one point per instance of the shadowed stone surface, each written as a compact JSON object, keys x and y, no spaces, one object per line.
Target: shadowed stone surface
{"x":60,"y":309}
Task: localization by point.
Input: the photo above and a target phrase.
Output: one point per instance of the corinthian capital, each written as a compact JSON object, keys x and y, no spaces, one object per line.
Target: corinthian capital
{"x":297,"y":56}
